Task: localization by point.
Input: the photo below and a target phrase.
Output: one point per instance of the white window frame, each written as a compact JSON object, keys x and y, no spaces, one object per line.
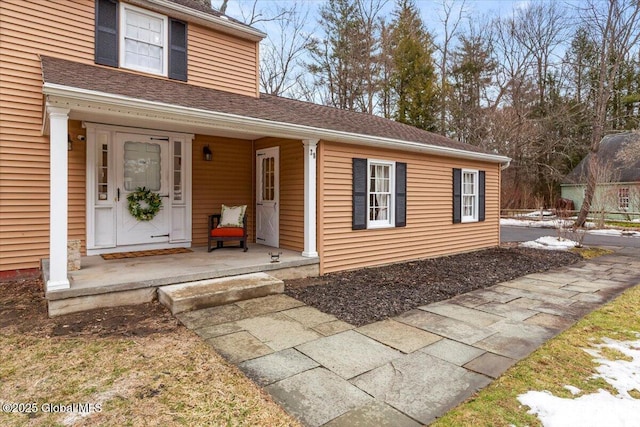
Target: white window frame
{"x":624,"y":199}
{"x":475,"y":194}
{"x":390,"y":221}
{"x":124,"y":10}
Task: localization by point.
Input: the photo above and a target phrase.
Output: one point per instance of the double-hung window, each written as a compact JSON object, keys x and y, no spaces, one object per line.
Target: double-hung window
{"x":469,"y":196}
{"x":138,"y":39}
{"x":381,"y":181}
{"x":623,"y":198}
{"x":379,"y":194}
{"x":143,"y":40}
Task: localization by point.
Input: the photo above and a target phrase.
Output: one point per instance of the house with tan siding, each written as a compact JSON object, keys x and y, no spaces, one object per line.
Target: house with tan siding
{"x":102,"y":97}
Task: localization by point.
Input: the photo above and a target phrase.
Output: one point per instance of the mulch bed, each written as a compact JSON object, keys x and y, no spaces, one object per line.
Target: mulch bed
{"x":364,"y":296}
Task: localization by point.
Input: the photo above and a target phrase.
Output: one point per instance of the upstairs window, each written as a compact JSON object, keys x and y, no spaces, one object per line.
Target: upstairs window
{"x":131,"y":37}
{"x":143,"y":40}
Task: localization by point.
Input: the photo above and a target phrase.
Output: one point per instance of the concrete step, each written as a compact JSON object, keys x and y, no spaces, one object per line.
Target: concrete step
{"x":225,"y":290}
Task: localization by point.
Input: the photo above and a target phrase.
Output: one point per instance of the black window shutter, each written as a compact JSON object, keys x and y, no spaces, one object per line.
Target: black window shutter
{"x":177,"y":50}
{"x":457,"y":196}
{"x":481,"y":198}
{"x":401,"y":194}
{"x":106,"y":37}
{"x":359,"y":194}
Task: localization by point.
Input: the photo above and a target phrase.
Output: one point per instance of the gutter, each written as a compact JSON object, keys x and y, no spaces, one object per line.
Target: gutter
{"x":219,"y":23}
{"x":233,"y":122}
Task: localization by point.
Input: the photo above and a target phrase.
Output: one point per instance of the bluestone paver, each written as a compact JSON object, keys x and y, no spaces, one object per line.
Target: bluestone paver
{"x":317,"y":396}
{"x":398,"y":335}
{"x":506,"y":310}
{"x":550,"y":321}
{"x":274,"y":367}
{"x":332,"y":328}
{"x":453,"y":351}
{"x":278,"y":331}
{"x":309,"y":316}
{"x":464,"y":314}
{"x":377,"y":414}
{"x":489,"y":364}
{"x":514,"y":339}
{"x":348,"y":353}
{"x":445,"y":326}
{"x":239,"y":346}
{"x":411,"y":384}
{"x":270,"y":304}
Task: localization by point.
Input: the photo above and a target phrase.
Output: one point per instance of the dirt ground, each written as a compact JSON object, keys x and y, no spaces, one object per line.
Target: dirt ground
{"x":365,"y":296}
{"x":358,"y":297}
{"x":23,"y":310}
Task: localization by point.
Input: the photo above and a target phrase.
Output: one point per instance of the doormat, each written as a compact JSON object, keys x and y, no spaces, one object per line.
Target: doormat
{"x":136,"y":254}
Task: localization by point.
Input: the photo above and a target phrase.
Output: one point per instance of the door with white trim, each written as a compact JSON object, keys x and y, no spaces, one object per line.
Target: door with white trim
{"x":141,"y":161}
{"x":267,"y":196}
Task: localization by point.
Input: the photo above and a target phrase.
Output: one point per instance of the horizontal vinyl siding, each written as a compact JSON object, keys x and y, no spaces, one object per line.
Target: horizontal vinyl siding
{"x":291,"y":191}
{"x":222,"y":62}
{"x":63,"y":28}
{"x":77,"y":185}
{"x":227,"y":179}
{"x":429,"y":231}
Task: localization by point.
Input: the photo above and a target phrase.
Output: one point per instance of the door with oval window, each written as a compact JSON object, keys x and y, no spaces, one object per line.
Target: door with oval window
{"x":142,"y":162}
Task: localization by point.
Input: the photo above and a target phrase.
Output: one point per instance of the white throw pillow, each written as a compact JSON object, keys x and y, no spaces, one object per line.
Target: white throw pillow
{"x":232,"y":216}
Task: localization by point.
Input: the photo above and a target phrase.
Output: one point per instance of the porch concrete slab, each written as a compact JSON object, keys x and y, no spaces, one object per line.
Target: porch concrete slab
{"x":398,"y":335}
{"x":515,"y":339}
{"x":348,"y":353}
{"x":211,"y":316}
{"x":268,"y":304}
{"x":464,"y":314}
{"x":377,"y":414}
{"x":445,"y":326}
{"x":332,"y":328}
{"x":278,"y":331}
{"x":78,"y":304}
{"x":317,"y":396}
{"x":550,"y":321}
{"x":214,"y":292}
{"x":275,"y":367}
{"x":491,"y":365}
{"x":309,"y":316}
{"x":239,"y":346}
{"x":420,"y":385}
{"x":453,"y":351}
{"x":506,"y":310}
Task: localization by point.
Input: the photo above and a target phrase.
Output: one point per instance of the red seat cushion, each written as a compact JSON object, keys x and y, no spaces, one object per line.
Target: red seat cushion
{"x":227,"y":232}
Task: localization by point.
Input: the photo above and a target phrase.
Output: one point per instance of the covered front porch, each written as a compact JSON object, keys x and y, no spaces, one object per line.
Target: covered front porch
{"x":105,"y":283}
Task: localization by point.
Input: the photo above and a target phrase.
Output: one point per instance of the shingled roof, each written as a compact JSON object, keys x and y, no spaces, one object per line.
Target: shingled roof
{"x":610,"y":146}
{"x":266,"y":107}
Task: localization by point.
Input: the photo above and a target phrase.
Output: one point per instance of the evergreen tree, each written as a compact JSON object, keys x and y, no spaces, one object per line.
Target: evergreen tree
{"x":413,"y":78}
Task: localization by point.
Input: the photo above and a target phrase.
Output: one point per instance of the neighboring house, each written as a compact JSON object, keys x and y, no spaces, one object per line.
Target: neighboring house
{"x":100,"y":97}
{"x":618,"y":179}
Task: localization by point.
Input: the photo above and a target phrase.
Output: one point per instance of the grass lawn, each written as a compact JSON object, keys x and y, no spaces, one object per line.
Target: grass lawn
{"x":557,"y":363}
{"x":136,"y":363}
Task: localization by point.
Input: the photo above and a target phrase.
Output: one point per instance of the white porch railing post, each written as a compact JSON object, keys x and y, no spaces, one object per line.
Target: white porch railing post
{"x":59,"y":161}
{"x":310,"y":191}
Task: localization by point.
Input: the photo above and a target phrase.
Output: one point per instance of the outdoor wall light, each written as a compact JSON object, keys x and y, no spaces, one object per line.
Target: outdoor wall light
{"x":69,"y":143}
{"x":206,"y":153}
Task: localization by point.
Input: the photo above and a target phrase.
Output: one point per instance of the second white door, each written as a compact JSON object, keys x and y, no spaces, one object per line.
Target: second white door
{"x":267,"y":196}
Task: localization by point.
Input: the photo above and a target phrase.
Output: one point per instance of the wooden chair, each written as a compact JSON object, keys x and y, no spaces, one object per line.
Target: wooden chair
{"x":224,"y":234}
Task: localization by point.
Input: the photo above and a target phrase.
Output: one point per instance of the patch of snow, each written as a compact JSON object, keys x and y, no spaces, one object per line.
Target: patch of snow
{"x":573,"y":390}
{"x":549,"y":242}
{"x":596,"y":409}
{"x":548,"y":223}
{"x":536,"y":214}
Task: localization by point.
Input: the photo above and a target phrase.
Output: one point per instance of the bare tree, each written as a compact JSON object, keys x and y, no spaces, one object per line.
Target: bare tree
{"x":615,"y":25}
{"x":450,"y":20}
{"x":281,"y":62}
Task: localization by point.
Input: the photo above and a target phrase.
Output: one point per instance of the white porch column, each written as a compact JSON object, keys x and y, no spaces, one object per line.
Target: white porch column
{"x":310,"y":191}
{"x":58,"y":126}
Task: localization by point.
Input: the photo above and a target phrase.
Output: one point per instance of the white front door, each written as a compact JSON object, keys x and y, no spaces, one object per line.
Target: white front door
{"x":267,"y":196}
{"x":141,"y":161}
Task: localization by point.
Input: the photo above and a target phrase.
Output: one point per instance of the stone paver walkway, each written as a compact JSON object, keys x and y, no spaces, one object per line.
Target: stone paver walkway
{"x":413,"y":368}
